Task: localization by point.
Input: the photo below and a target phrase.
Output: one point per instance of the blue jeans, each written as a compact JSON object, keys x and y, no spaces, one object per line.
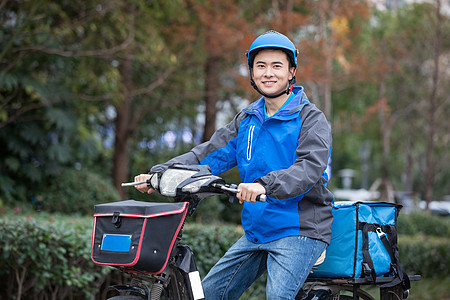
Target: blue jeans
{"x":288,"y":262}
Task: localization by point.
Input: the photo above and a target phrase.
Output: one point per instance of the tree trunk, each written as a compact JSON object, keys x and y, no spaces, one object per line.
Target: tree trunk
{"x":212,"y":69}
{"x":407,"y":179}
{"x":121,"y":147}
{"x":283,"y":23}
{"x":429,"y":176}
{"x":386,"y":188}
{"x":327,"y":50}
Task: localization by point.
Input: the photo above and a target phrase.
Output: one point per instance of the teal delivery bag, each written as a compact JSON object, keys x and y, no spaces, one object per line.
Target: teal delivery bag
{"x":363,"y":242}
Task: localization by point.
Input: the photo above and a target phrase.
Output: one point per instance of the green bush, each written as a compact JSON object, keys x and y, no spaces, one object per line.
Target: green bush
{"x":425,"y":255}
{"x":423,"y":223}
{"x":47,"y":260}
{"x":45,"y":256}
{"x":77,"y":191}
{"x":210,"y":242}
{"x":50,"y":255}
{"x":424,"y":243}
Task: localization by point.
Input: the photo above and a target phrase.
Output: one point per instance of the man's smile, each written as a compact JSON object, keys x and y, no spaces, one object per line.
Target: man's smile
{"x":269,"y":83}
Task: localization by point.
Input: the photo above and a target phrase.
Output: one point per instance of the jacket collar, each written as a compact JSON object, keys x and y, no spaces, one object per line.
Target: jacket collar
{"x":288,"y":112}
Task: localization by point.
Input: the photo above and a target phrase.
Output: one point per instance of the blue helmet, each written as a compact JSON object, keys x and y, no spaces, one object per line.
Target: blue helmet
{"x":274,"y":40}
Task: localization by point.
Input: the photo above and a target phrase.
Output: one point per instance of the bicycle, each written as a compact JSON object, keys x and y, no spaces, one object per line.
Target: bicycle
{"x":178,"y":278}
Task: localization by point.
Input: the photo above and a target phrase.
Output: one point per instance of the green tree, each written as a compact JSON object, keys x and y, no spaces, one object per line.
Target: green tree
{"x":153,"y":72}
{"x":391,"y":97}
{"x":39,"y":127}
{"x":65,"y":65}
{"x":413,"y":91}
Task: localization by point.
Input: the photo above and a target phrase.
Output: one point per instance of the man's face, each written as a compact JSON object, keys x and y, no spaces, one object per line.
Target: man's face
{"x":271,"y":72}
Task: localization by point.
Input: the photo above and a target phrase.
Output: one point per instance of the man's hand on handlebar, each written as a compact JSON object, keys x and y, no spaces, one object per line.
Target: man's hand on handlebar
{"x":143,"y":188}
{"x":249,"y":192}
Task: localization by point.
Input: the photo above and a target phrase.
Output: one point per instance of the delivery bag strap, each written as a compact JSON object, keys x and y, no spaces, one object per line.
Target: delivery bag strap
{"x":368,"y":269}
{"x":388,"y":236}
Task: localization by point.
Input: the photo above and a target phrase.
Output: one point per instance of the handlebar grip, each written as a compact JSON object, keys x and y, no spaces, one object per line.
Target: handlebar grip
{"x":233,"y":190}
{"x":261,"y":198}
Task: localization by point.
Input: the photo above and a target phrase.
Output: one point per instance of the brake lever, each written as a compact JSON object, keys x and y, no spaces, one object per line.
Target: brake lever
{"x":134,"y":183}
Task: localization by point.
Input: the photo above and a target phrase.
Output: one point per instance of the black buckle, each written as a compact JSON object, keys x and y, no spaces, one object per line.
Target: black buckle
{"x":367,"y":271}
{"x":116,"y":220}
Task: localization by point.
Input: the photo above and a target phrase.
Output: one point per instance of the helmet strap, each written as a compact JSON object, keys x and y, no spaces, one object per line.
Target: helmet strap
{"x":287,"y":91}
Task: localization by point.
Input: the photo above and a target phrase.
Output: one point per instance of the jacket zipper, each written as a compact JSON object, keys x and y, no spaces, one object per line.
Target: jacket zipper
{"x":250,"y":142}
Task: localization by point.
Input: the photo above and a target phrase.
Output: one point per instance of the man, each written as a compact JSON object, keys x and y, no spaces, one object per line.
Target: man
{"x":281,"y":144}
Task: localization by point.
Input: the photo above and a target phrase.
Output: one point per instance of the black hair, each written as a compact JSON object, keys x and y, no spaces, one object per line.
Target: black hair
{"x":290,"y":57}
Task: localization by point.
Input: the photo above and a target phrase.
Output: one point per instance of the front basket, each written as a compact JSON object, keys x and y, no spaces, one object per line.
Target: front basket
{"x":138,"y":236}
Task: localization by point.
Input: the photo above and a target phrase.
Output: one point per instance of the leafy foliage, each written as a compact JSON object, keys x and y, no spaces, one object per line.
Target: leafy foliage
{"x":47,"y":259}
{"x":77,"y":191}
{"x":68,"y":68}
{"x":425,"y":255}
{"x":423,"y":244}
{"x":422,"y":223}
{"x":36,"y":151}
{"x":210,"y":242}
{"x":41,"y":130}
{"x":385,"y":101}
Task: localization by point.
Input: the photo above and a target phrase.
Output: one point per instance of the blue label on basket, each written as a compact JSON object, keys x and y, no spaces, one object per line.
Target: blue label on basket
{"x":116,"y":242}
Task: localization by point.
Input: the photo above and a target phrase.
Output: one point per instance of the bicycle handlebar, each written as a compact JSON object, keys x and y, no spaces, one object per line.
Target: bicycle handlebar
{"x":231,"y":189}
{"x":134,"y":183}
{"x":224,"y":187}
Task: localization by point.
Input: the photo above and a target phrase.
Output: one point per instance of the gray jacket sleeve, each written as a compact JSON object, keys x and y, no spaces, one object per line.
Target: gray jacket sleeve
{"x":313,"y":152}
{"x":218,"y":140}
{"x":187,"y":158}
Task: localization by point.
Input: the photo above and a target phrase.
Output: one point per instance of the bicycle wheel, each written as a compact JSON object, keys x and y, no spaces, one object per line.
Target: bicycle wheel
{"x":359,"y":292}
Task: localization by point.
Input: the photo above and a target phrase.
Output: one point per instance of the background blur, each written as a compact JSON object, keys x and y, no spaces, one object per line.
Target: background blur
{"x":99,"y":91}
{"x":93,"y":93}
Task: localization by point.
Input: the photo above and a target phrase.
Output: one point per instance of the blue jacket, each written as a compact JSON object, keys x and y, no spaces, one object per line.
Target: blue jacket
{"x":287,"y":154}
